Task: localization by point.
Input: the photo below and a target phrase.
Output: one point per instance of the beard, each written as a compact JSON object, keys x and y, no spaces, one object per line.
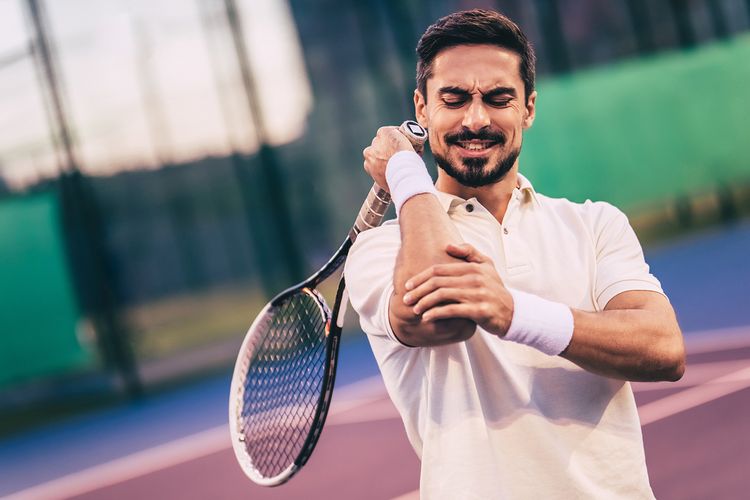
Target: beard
{"x":475,"y":174}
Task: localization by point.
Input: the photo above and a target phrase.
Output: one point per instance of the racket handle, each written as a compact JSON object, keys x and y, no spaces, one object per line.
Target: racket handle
{"x":372,"y":212}
{"x":378,"y":199}
{"x":416,"y":134}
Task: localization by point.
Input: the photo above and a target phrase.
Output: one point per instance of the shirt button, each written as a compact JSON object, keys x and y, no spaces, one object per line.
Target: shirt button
{"x":505,"y":230}
{"x":469,"y":207}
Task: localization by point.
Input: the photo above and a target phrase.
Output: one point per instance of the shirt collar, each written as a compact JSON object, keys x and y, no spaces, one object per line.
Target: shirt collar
{"x":525,"y":189}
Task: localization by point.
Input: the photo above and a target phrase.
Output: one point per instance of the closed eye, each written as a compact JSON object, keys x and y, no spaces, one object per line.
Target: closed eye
{"x":454,"y":103}
{"x":498,"y":102}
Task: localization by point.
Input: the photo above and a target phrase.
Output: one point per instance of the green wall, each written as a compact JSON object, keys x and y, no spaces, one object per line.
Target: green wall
{"x":642,"y":131}
{"x":38,"y":313}
{"x":634,"y":134}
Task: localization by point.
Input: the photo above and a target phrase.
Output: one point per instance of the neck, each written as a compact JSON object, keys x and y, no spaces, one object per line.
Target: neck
{"x":494,"y":197}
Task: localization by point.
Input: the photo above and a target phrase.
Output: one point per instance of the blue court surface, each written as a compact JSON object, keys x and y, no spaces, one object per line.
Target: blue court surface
{"x":705,"y":276}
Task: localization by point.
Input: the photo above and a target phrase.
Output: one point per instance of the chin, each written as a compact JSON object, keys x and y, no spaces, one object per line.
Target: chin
{"x":478,"y":171}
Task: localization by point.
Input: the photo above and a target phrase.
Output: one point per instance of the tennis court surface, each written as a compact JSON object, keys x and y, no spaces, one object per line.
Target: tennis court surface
{"x":696,"y":431}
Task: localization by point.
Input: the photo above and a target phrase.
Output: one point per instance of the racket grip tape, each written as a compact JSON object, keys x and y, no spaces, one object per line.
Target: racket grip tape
{"x":372,"y":212}
{"x":378,"y":199}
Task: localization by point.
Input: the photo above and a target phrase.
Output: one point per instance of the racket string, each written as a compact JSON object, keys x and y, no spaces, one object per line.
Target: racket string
{"x":283,"y":383}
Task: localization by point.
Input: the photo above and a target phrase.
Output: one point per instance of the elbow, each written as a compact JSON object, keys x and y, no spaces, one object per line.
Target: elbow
{"x":448,"y":331}
{"x":678,"y":373}
{"x":437,"y":333}
{"x":673,"y":359}
{"x":414,"y":332}
{"x":668,"y":371}
{"x":676,"y":367}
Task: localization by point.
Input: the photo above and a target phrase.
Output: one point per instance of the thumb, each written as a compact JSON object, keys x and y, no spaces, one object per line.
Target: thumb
{"x":466,"y":252}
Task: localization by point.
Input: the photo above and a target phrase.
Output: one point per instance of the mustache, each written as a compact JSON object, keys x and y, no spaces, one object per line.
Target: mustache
{"x":482,"y":135}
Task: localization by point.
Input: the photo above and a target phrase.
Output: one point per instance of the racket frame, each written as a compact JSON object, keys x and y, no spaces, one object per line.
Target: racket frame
{"x":253,"y":338}
{"x":370,"y":215}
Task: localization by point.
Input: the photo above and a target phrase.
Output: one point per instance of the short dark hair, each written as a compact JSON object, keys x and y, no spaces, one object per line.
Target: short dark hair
{"x":474,"y":27}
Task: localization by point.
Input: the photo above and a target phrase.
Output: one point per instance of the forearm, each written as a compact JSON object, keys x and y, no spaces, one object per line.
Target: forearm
{"x":639,"y":342}
{"x":426,"y":230}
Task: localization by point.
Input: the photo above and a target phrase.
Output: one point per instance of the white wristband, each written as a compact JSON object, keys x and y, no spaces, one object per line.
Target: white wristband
{"x":540,"y":323}
{"x":407,"y":176}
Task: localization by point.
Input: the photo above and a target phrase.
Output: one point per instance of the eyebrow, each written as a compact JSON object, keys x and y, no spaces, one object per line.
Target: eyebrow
{"x":458,"y":91}
{"x":453,"y":90}
{"x":500,"y":91}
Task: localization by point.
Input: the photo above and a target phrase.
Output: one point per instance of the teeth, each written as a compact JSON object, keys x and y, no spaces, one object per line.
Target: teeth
{"x":474,"y":146}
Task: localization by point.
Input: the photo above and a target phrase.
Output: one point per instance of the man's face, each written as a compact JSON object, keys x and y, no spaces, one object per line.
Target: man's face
{"x":475,"y":112}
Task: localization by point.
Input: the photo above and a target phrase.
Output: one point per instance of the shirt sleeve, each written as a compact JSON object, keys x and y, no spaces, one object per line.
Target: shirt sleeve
{"x":620,"y":263}
{"x":369,"y":278}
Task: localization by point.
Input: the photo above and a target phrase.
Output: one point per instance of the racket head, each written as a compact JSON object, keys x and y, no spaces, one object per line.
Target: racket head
{"x":282,"y":385}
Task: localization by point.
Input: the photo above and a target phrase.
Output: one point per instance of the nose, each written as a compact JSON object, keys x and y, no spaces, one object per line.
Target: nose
{"x":476,"y":116}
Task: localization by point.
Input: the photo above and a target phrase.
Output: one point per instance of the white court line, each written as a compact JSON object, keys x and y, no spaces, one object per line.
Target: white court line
{"x":176,"y":452}
{"x":372,"y":413}
{"x":676,"y":403}
{"x":129,"y":467}
{"x":695,"y":396}
{"x":353,"y":396}
{"x":696,"y":374}
{"x":710,"y":381}
{"x":717,"y":340}
{"x":412,"y":495}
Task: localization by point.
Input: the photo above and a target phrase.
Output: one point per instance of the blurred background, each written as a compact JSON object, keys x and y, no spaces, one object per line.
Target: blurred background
{"x":166,"y":167}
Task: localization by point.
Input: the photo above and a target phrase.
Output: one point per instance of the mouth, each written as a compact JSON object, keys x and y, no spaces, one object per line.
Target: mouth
{"x":476,"y":147}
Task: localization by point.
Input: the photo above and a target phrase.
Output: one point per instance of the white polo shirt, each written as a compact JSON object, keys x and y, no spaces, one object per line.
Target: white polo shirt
{"x":495,"y":419}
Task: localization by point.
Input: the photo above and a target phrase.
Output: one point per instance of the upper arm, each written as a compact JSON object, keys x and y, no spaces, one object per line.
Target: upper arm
{"x":653,"y":302}
{"x":644,"y":300}
{"x":369,"y":278}
{"x":620,"y":264}
{"x":625,"y":283}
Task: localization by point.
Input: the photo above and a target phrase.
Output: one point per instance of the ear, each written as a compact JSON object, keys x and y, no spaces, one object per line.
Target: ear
{"x":528,"y":121}
{"x":420,"y":109}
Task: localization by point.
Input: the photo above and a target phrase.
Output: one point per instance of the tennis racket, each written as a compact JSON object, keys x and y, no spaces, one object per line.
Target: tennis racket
{"x":284,"y":376}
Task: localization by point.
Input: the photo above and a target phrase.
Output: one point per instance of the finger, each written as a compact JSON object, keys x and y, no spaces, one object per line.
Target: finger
{"x":465,"y":281}
{"x":395,"y":139}
{"x":448,"y":311}
{"x":386,"y":130}
{"x":466,"y":252}
{"x":443,"y":296}
{"x":451,"y":269}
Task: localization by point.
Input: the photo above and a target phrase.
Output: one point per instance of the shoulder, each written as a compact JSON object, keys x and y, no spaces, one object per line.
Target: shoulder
{"x":595,"y":214}
{"x":607,"y":222}
{"x":374,"y":248}
{"x":368,"y":271}
{"x":601,"y":211}
{"x":386,"y":235}
{"x":599,"y":220}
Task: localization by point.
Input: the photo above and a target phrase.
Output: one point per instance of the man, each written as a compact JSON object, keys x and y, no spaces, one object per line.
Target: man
{"x":506,"y":324}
